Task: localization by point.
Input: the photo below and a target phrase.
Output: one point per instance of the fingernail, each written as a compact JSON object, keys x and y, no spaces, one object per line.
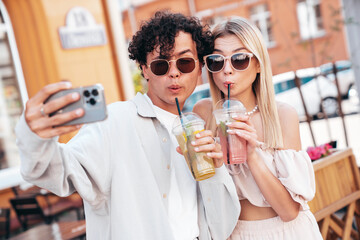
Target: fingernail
{"x":228,"y":123}
{"x":78,"y":126}
{"x":75,"y":96}
{"x":192,"y":143}
{"x":68,"y":84}
{"x":209,"y":154}
{"x":197,"y":135}
{"x":196,"y":149}
{"x":238,"y":133}
{"x":78,"y":112}
{"x":229,"y":131}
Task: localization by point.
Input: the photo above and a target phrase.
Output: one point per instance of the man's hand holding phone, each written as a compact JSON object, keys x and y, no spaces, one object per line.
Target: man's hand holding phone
{"x":58,"y":109}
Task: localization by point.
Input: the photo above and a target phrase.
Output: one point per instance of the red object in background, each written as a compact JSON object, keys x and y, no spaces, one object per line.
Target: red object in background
{"x":319,"y":151}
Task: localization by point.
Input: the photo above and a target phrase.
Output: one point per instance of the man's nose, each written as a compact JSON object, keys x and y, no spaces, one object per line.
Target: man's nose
{"x":173,"y":70}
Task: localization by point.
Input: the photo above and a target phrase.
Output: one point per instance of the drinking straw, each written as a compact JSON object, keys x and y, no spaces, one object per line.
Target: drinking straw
{"x":179,"y":111}
{"x":227,"y":145}
{"x":186,"y":133}
{"x":228,"y":95}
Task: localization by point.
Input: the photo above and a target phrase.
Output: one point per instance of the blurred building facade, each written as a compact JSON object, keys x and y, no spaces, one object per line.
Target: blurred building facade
{"x":299,"y":33}
{"x":46,"y":41}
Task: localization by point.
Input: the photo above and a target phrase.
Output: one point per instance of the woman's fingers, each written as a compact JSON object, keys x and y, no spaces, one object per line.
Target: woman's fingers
{"x":204,"y":142}
{"x":250,"y":137}
{"x":178,"y":149}
{"x":241,"y":125}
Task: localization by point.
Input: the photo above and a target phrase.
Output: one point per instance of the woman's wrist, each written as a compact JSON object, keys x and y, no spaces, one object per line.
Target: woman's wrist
{"x":252,"y":157}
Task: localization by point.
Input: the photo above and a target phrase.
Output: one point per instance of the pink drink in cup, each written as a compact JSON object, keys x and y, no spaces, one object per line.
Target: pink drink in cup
{"x":233,"y":147}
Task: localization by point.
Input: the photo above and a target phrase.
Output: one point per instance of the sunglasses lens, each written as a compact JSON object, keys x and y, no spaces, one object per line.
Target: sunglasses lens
{"x":240,"y":61}
{"x":159,"y":67}
{"x":215,"y":62}
{"x":185,"y":65}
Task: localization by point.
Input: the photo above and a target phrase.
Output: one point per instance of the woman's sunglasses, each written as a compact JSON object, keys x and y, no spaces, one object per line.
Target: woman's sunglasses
{"x":216,"y":62}
{"x":161,"y":67}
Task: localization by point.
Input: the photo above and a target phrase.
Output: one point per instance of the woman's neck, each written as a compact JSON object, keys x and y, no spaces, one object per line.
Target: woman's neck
{"x":248,"y":99}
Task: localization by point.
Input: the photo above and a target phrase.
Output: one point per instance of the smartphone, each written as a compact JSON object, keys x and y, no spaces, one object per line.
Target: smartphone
{"x":92,"y":100}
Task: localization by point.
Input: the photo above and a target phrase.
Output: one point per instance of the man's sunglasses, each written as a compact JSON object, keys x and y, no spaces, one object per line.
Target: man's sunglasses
{"x":161,"y":67}
{"x":216,"y":62}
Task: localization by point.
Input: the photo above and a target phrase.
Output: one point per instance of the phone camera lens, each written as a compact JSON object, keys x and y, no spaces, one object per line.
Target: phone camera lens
{"x":86,"y":93}
{"x":95,"y":92}
{"x":92,"y":101}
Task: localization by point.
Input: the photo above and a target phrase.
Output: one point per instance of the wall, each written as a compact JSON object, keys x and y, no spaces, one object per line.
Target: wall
{"x":290,"y":52}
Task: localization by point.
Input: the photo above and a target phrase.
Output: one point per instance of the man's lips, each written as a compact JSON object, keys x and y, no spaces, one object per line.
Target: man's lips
{"x":175,"y":88}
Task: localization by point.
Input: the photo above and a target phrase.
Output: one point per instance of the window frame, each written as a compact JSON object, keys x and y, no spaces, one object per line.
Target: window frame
{"x":310,"y":25}
{"x":263,"y":18}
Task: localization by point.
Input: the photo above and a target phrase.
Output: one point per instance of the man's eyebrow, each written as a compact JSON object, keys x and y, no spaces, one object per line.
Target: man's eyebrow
{"x":183,"y":52}
{"x":177,"y":54}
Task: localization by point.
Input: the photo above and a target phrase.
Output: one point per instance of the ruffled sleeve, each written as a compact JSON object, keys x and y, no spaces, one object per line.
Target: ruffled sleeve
{"x":296,"y":173}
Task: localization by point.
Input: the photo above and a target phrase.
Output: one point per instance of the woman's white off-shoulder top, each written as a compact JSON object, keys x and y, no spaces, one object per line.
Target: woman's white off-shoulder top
{"x":293,"y":168}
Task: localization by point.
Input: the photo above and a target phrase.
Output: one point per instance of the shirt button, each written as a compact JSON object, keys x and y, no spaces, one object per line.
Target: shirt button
{"x":164,"y":195}
{"x":164,"y":139}
{"x":168,"y":166}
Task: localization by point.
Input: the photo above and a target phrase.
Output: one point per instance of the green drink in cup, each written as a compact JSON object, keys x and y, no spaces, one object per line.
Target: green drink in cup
{"x":200,"y":165}
{"x":233,"y":147}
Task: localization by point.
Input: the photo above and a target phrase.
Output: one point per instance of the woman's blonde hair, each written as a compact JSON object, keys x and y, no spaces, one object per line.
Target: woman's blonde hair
{"x":263,"y":88}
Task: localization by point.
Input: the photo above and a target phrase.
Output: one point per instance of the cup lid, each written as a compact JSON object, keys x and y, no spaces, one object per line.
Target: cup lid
{"x":188,"y":119}
{"x":230,"y":105}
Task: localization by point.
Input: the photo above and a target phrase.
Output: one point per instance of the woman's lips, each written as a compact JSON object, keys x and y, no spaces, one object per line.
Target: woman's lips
{"x":227,"y":83}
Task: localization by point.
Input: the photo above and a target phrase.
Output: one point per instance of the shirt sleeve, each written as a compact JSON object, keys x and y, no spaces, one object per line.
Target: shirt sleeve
{"x":221,"y":203}
{"x":296,"y":173}
{"x":81,"y":165}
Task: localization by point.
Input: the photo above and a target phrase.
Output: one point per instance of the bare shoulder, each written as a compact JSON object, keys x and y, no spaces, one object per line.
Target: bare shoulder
{"x":289,"y":121}
{"x":203,"y":108}
{"x":287,"y":113}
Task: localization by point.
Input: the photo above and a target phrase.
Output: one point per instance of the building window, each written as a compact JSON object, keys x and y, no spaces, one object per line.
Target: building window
{"x":12,"y":93}
{"x":260,"y":16}
{"x":310,"y":19}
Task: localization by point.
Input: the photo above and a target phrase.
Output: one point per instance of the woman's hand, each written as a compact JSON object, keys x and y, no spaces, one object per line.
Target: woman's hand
{"x":37,"y":112}
{"x":205,"y":143}
{"x":243,"y":128}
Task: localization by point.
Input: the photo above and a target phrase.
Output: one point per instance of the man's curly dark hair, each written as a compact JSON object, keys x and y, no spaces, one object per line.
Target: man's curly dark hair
{"x":162,"y":29}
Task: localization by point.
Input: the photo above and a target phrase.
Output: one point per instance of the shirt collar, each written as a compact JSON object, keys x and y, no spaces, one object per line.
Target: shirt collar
{"x":143,"y":106}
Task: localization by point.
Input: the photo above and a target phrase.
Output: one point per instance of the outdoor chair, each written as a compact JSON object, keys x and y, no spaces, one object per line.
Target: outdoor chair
{"x":337,"y":188}
{"x":29,"y":211}
{"x":4,"y":223}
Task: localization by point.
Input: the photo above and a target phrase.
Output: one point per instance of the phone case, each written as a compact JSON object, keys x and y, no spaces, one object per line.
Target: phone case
{"x":92,"y":100}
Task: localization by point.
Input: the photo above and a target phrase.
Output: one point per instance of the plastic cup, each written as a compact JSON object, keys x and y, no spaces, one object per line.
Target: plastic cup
{"x":233,"y":147}
{"x":201,"y":166}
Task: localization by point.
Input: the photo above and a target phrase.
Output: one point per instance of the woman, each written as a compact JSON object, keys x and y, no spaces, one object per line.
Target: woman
{"x":277,"y":179}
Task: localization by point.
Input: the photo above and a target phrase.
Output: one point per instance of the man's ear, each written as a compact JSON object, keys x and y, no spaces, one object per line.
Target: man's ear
{"x":144,"y":69}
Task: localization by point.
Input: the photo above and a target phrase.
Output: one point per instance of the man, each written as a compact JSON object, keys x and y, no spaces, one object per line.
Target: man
{"x":133,"y":182}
